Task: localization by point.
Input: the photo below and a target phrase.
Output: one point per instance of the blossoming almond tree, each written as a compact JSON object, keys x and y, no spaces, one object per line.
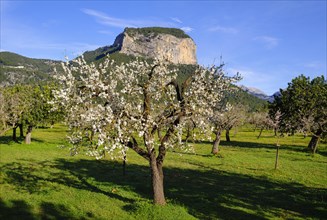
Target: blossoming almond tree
{"x":112,"y":107}
{"x":226,"y":117}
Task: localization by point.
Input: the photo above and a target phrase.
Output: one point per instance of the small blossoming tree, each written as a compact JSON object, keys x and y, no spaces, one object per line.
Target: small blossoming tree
{"x":113,"y":107}
{"x":226,"y":117}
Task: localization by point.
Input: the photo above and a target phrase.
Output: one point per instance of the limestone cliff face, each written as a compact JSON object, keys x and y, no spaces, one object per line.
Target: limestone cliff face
{"x":178,"y":49}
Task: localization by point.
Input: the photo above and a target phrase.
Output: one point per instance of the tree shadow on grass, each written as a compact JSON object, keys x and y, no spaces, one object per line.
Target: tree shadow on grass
{"x":206,"y":192}
{"x":8,"y":140}
{"x":294,"y":148}
{"x":19,"y":209}
{"x":15,"y":209}
{"x":34,"y":176}
{"x":252,"y":145}
{"x":20,"y":140}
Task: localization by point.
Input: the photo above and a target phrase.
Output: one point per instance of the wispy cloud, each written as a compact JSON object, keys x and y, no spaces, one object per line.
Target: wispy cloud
{"x":222,"y":29}
{"x":314,"y":64}
{"x":106,"y":32}
{"x":110,"y":21}
{"x":107,"y":20}
{"x":30,"y":42}
{"x":187,"y":29}
{"x":265,"y":81}
{"x":176,"y":20}
{"x":268,"y":41}
{"x":250,"y":77}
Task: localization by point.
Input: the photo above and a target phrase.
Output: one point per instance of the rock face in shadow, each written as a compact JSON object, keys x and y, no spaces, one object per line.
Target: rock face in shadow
{"x":162,"y":43}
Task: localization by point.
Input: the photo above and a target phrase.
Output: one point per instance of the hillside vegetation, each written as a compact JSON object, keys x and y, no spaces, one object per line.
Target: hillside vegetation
{"x":17,"y":69}
{"x":38,"y":71}
{"x":153,"y":31}
{"x":13,"y":59}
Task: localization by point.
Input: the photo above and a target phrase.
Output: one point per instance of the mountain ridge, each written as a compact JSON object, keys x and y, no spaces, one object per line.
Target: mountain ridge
{"x":259,"y":93}
{"x":17,"y":69}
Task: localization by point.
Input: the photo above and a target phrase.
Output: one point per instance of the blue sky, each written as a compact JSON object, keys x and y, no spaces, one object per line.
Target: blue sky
{"x":268,"y":42}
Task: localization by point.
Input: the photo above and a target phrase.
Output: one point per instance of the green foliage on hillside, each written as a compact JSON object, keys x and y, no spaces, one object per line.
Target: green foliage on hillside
{"x":17,"y":69}
{"x":38,"y":70}
{"x":98,"y":54}
{"x":253,"y":103}
{"x":12,"y":76}
{"x":153,"y":31}
{"x":12,"y":59}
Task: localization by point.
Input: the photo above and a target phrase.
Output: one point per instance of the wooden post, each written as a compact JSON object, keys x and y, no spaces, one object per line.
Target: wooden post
{"x":277,"y":155}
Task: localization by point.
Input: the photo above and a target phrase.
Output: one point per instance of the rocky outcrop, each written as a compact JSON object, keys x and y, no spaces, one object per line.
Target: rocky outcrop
{"x":176,"y":48}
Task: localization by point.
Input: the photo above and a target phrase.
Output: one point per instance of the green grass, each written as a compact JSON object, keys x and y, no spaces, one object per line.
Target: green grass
{"x":41,"y":181}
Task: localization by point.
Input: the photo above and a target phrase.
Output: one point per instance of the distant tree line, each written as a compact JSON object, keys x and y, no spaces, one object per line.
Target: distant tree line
{"x":26,"y":106}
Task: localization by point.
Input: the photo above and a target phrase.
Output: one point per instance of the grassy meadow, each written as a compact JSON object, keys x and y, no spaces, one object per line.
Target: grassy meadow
{"x":42,"y":181}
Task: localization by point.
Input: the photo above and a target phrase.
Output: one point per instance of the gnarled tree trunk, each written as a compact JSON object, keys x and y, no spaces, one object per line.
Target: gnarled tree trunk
{"x":227,"y":135}
{"x":215,"y":146}
{"x":313,"y":144}
{"x":21,"y":132}
{"x":260,"y":133}
{"x":157,"y":181}
{"x":28,"y":134}
{"x":14,"y":134}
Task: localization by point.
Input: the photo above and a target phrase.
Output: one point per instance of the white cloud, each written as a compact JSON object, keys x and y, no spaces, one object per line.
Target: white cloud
{"x":187,"y":29}
{"x":255,"y":79}
{"x":314,"y":64}
{"x":110,"y":21}
{"x":29,"y":42}
{"x":226,"y":30}
{"x":268,"y":41}
{"x":104,"y":19}
{"x":106,"y":32}
{"x":176,"y":20}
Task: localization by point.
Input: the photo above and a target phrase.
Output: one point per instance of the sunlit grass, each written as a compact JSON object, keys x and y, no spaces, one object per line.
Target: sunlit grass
{"x":42,"y":181}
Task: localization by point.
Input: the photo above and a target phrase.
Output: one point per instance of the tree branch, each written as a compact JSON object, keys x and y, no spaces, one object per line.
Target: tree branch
{"x":133,"y":145}
{"x":152,"y":71}
{"x":178,"y":92}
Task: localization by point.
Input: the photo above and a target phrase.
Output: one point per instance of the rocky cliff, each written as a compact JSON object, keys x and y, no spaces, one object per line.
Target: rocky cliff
{"x":161,"y":43}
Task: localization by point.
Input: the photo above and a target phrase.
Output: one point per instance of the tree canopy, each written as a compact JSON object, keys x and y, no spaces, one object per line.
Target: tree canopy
{"x":303,"y":105}
{"x":112,"y":107}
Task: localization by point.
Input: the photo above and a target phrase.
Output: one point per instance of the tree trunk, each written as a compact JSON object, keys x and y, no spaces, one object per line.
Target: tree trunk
{"x":227,"y":135}
{"x":188,"y":135}
{"x":313,"y":144}
{"x":215,"y":146}
{"x":157,"y":181}
{"x":14,"y":134}
{"x":21,"y":132}
{"x":28,"y":134}
{"x":124,"y":164}
{"x":277,"y":156}
{"x":260,"y":133}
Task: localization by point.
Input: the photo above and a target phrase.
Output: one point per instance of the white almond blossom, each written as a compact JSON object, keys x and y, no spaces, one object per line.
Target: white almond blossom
{"x":112,"y":107}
